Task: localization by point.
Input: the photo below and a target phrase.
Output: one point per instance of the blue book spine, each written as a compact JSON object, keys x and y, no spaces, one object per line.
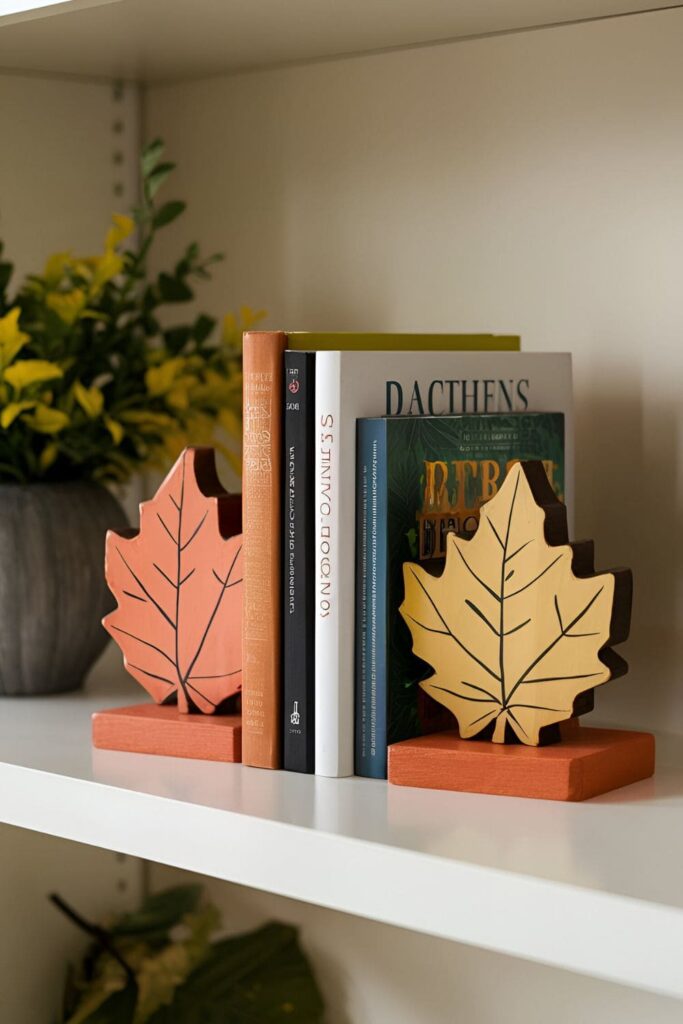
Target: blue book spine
{"x":371,"y":600}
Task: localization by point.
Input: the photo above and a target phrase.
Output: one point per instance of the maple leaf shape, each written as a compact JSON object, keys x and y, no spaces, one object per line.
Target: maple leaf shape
{"x":518,"y":624}
{"x":177,"y":582}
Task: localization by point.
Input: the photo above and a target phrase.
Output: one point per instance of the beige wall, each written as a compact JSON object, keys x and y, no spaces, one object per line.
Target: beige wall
{"x":530,"y":182}
{"x":58,"y":170}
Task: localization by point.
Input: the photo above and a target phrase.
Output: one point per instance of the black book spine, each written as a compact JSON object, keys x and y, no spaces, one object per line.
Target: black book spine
{"x":299,"y":563}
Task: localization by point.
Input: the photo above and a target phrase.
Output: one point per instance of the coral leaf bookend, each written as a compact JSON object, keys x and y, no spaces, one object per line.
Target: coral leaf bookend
{"x":518,"y":625}
{"x":177,"y":582}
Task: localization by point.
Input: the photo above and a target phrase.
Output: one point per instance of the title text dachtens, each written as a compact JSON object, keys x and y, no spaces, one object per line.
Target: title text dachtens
{"x":451,"y":397}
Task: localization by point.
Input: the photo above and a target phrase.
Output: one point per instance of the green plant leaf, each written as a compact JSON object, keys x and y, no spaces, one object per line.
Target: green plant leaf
{"x":160,"y":912}
{"x":258,"y":978}
{"x":150,"y":326}
{"x":117,"y":1009}
{"x":13,"y":472}
{"x":5,"y":275}
{"x":157,"y":177}
{"x":151,"y":155}
{"x":172,"y":289}
{"x":203,"y":326}
{"x":176,"y":338}
{"x":102,"y":991}
{"x":168,"y":212}
{"x":160,"y":975}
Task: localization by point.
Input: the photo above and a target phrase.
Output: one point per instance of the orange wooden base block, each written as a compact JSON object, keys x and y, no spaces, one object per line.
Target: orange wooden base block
{"x":586,"y":763}
{"x":160,"y":729}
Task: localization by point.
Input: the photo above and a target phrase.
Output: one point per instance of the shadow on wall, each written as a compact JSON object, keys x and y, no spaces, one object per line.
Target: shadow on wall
{"x":626,"y":484}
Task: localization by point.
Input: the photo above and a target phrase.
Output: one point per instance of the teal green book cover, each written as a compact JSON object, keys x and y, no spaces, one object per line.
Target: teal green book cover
{"x":419,"y":478}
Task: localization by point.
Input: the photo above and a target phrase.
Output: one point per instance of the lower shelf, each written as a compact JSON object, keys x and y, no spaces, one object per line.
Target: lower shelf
{"x":594,"y":887}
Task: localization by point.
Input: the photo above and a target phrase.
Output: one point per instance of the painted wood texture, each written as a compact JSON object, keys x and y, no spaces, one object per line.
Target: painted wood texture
{"x":178,"y":584}
{"x":518,"y":628}
{"x":165,"y":730}
{"x":586,"y":763}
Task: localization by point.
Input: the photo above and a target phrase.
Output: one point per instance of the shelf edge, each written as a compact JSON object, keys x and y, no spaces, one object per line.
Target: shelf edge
{"x":620,"y":939}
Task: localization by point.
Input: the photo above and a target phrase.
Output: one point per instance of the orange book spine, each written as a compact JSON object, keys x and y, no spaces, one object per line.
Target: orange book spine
{"x":261,"y":496}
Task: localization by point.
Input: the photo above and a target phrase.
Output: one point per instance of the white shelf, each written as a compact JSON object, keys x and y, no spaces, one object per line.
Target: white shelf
{"x":12,"y":11}
{"x":596,"y":888}
{"x":157,"y":40}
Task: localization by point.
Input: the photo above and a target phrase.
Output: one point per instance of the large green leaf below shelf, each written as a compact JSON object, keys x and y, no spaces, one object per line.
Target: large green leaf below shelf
{"x":258,"y":978}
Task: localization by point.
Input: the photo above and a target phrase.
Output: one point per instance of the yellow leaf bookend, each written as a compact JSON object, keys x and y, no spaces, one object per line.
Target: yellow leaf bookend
{"x":518,"y":625}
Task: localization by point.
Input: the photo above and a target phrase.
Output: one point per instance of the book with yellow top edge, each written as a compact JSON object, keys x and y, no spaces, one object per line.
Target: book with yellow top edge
{"x":349,"y":341}
{"x":262,"y":482}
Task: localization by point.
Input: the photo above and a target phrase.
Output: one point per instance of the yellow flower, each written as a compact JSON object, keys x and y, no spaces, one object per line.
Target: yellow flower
{"x":148,"y":420}
{"x":115,"y":429}
{"x":230,"y":422}
{"x":179,"y":395}
{"x":116,"y":467}
{"x":250,"y":317}
{"x":229,"y":326}
{"x":68,"y":306}
{"x":46,"y":420}
{"x":91,"y":400}
{"x":106,"y":267}
{"x":12,"y":339}
{"x":160,"y":379}
{"x":122,"y":229}
{"x":11,"y":411}
{"x":220,"y":390}
{"x":31,"y":371}
{"x":174,"y":442}
{"x":48,"y":455}
{"x":214,"y":379}
{"x":200,"y":428}
{"x":234,"y":326}
{"x":84,"y":267}
{"x":56,"y":267}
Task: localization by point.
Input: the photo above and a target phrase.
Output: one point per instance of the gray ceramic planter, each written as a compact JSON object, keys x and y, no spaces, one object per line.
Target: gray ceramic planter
{"x":52,"y":589}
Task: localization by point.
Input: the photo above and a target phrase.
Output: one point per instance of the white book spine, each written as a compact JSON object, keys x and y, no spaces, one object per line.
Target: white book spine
{"x":334,"y":576}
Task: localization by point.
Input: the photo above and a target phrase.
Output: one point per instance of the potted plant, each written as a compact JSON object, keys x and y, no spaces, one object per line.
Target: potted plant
{"x":161,"y":964}
{"x":97,"y":381}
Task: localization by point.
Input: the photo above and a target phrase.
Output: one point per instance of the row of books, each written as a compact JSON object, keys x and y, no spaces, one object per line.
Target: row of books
{"x":361,"y":452}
